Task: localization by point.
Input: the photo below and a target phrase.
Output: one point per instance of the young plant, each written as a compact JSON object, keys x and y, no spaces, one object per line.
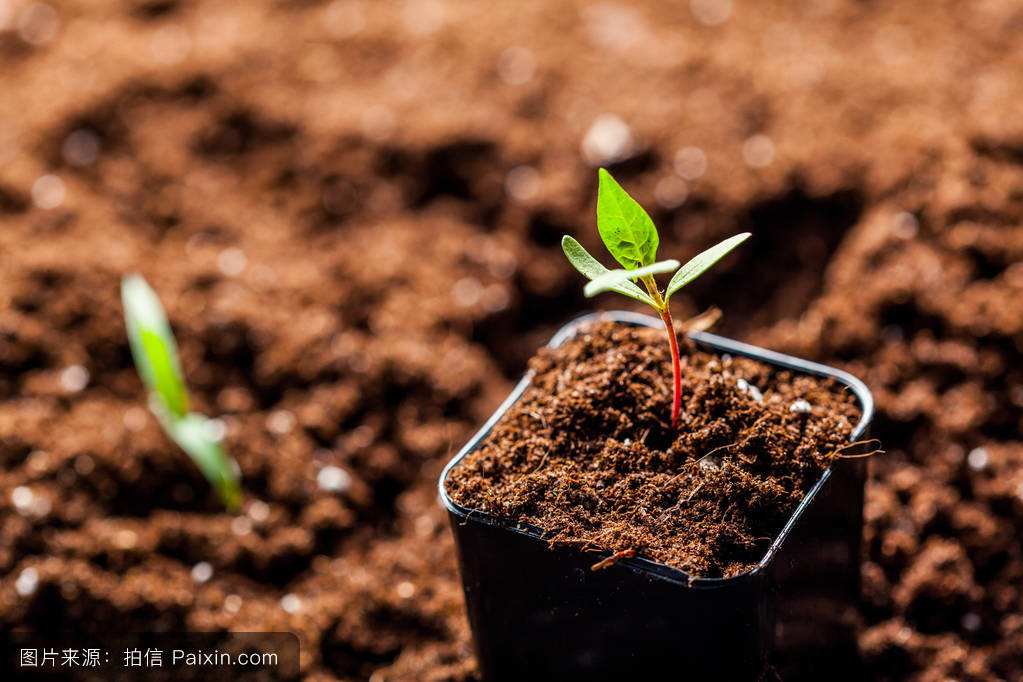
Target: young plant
{"x":156,"y":359}
{"x":631,"y":237}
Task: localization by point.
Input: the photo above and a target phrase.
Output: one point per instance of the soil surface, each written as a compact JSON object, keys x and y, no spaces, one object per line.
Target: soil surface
{"x":589,"y":456}
{"x":352,"y":210}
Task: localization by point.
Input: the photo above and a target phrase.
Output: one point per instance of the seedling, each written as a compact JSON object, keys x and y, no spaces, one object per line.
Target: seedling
{"x":156,"y":359}
{"x":631,"y":237}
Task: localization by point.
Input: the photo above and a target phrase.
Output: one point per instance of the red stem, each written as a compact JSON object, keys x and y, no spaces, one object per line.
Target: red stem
{"x":676,"y":406}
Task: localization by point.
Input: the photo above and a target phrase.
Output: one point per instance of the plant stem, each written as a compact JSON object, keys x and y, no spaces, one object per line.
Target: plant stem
{"x":676,"y":368}
{"x":676,"y":365}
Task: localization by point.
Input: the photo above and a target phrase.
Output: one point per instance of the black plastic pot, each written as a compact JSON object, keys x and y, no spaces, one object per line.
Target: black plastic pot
{"x":540,"y":613}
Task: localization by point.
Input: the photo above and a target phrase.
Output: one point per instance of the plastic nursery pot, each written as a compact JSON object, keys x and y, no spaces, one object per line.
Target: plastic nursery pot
{"x":540,"y":613}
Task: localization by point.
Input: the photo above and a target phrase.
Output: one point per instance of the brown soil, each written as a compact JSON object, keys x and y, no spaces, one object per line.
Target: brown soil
{"x":588,"y":457}
{"x":396,"y":178}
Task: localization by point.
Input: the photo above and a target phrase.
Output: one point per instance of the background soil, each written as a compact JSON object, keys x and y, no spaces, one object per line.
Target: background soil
{"x":351,"y":210}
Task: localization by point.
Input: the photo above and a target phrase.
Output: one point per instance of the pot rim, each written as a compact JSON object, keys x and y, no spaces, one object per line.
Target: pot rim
{"x":719,"y":344}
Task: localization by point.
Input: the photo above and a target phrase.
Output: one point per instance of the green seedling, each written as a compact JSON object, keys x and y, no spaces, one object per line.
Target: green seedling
{"x":631,"y":237}
{"x":156,"y":359}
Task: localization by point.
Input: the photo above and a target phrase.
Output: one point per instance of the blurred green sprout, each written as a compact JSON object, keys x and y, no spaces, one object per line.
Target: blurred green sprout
{"x":156,"y":359}
{"x":631,"y":237}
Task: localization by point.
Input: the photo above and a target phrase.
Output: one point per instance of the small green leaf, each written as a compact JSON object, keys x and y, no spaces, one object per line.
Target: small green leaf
{"x":612,"y":278}
{"x":628,"y":232}
{"x":193,"y":434}
{"x":701,"y":263}
{"x":152,"y":345}
{"x":156,"y":358}
{"x":591,"y":269}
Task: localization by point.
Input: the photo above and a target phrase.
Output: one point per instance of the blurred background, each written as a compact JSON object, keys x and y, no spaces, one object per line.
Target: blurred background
{"x":352,"y":211}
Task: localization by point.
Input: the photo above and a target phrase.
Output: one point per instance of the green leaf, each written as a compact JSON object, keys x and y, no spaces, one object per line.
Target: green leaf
{"x":701,"y":263}
{"x":628,"y":232}
{"x":591,"y":269}
{"x":193,"y":434}
{"x":612,"y":278}
{"x":152,"y":345}
{"x":156,"y":358}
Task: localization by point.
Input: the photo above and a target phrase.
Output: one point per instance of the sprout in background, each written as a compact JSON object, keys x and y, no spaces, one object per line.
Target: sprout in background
{"x":631,"y":237}
{"x":156,"y":359}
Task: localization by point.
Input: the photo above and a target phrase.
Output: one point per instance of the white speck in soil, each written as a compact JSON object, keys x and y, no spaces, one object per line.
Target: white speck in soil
{"x":406,"y":589}
{"x":241,"y":525}
{"x":710,"y":464}
{"x":216,"y":429}
{"x":202,"y":572}
{"x":125,"y":539}
{"x":690,"y":163}
{"x":38,"y":23}
{"x":280,"y":422}
{"x":231,"y":261}
{"x":609,"y":139}
{"x":232,"y":603}
{"x":977,"y":459}
{"x":522,"y":184}
{"x":22,"y":499}
{"x":135,"y":419}
{"x":671,"y":191}
{"x":291,"y":603}
{"x":74,"y":378}
{"x":467,"y":292}
{"x":905,"y":226}
{"x":800,"y":407}
{"x":259,"y":511}
{"x":758,"y":151}
{"x":750,"y":390}
{"x":38,"y":461}
{"x":27,"y":582}
{"x":48,"y":192}
{"x":971,"y":622}
{"x":333,"y":479}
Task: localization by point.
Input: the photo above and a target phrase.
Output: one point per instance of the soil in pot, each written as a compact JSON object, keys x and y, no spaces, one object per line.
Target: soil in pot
{"x":588,"y":455}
